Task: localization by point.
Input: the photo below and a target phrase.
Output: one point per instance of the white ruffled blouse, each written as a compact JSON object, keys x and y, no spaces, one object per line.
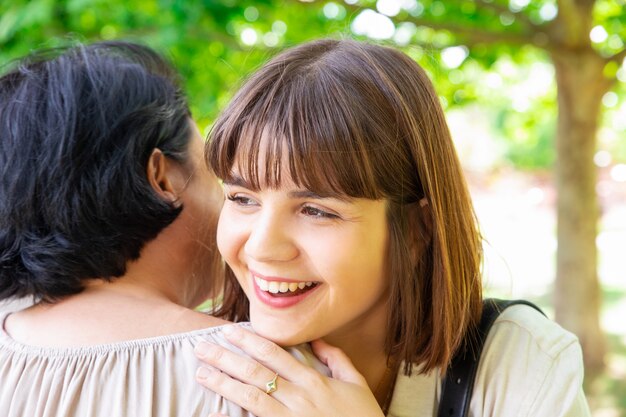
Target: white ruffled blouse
{"x":145,"y":377}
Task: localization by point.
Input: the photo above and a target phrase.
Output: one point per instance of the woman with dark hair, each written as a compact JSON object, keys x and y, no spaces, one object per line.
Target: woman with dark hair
{"x":107,"y":221}
{"x":348,"y":219}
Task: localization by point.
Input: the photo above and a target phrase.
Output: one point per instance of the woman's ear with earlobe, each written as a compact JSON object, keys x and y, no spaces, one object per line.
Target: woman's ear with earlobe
{"x":159,"y":177}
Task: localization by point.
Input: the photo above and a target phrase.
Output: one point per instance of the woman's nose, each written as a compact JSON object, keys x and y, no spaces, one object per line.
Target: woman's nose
{"x":271,"y":240}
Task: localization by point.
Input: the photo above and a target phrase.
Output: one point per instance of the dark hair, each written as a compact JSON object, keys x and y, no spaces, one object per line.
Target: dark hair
{"x":364,"y":121}
{"x":77,"y":127}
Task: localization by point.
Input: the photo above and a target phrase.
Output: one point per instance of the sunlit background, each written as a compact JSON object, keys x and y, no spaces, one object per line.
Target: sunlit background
{"x":500,"y":98}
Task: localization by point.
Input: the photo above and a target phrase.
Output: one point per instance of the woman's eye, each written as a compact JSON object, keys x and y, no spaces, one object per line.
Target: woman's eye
{"x":318,"y":213}
{"x":241,"y":200}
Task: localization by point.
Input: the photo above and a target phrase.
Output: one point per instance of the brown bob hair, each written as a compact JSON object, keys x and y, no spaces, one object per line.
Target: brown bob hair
{"x":362,"y":120}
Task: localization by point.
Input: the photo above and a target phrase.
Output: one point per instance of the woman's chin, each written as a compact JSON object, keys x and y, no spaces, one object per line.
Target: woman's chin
{"x":280,"y":334}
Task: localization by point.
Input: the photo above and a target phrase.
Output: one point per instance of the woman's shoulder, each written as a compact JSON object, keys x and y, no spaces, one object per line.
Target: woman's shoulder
{"x":522,"y":327}
{"x":530,"y":366}
{"x":89,"y":319}
{"x":200,"y":326}
{"x":122,"y":378}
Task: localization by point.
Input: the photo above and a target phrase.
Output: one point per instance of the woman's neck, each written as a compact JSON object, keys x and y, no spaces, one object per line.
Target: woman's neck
{"x":106,"y":312}
{"x":364,"y":343}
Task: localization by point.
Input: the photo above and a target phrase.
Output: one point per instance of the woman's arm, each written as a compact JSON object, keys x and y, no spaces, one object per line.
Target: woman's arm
{"x":299,"y":391}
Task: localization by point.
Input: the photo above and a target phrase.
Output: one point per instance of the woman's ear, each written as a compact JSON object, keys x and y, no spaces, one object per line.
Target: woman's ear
{"x":421,"y":228}
{"x":157,"y":172}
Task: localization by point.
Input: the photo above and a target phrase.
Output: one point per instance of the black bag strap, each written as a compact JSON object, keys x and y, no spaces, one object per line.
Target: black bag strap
{"x":459,"y":380}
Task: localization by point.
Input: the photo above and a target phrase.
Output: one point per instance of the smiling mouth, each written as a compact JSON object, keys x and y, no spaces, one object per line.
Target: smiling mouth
{"x":282,"y":288}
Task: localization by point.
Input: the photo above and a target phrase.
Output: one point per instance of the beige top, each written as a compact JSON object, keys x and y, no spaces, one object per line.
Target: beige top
{"x":145,"y":377}
{"x":530,"y":367}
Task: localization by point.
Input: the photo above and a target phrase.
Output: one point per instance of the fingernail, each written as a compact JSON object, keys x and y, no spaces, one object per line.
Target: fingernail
{"x":203,"y":373}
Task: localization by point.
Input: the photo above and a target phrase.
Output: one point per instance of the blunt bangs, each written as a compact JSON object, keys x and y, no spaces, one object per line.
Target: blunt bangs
{"x":310,"y":126}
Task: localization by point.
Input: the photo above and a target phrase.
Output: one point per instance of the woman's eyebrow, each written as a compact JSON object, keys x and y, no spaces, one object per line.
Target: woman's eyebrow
{"x":237,"y":181}
{"x":316,"y":196}
{"x":306,"y":194}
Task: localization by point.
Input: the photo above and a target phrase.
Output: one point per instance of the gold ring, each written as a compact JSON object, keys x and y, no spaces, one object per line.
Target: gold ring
{"x":271,"y":386}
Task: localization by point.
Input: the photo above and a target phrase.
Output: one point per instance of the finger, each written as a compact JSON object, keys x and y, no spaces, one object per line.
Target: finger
{"x":266,"y":352}
{"x":246,"y":396}
{"x":242,"y":368}
{"x":340,"y":365}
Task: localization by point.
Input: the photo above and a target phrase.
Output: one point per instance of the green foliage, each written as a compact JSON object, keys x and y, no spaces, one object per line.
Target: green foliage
{"x":215,"y":44}
{"x":611,"y":16}
{"x":529,"y":137}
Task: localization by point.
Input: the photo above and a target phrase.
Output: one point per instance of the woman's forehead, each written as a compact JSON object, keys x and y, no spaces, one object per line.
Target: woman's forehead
{"x":318,"y":178}
{"x":268,"y":156}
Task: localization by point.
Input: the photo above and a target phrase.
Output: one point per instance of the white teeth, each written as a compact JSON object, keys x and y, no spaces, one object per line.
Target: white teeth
{"x":275,"y":287}
{"x":263,"y":285}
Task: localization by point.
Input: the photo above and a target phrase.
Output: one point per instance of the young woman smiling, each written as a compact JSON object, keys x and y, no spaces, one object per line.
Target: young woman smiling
{"x":348,"y":219}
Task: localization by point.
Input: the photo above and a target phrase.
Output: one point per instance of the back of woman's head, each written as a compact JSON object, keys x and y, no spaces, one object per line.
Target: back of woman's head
{"x":78,"y":126}
{"x":364,"y":121}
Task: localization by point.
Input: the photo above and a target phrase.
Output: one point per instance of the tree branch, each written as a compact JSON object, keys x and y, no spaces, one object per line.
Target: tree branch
{"x":472,"y":35}
{"x":503,"y":9}
{"x":475,"y":35}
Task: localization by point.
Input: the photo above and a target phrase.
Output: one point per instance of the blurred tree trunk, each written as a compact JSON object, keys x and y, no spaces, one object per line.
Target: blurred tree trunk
{"x":581,"y":85}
